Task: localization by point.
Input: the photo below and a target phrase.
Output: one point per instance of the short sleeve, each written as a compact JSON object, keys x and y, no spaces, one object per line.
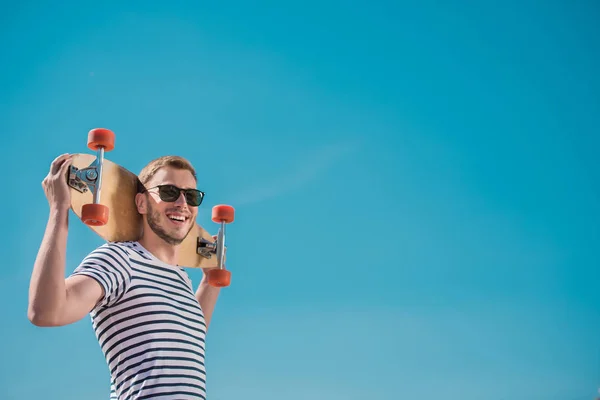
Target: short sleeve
{"x":109,"y":265}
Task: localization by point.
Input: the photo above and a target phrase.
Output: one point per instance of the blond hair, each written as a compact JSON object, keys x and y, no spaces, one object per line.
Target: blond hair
{"x":165,"y":161}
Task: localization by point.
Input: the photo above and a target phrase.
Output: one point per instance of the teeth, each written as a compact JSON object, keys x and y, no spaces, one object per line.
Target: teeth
{"x":177,"y":218}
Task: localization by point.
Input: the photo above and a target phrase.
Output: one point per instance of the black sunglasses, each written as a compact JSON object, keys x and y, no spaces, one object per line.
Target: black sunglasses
{"x":171,"y":193}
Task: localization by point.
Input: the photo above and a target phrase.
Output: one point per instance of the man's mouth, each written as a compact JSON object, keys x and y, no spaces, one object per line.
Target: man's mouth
{"x":177,"y":218}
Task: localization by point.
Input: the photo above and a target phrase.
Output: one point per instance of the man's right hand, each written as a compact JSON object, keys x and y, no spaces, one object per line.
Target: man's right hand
{"x":55,"y":183}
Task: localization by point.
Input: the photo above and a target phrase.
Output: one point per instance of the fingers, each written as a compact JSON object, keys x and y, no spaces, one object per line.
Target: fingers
{"x":57,"y":163}
{"x":65,"y":165}
{"x":58,"y":168}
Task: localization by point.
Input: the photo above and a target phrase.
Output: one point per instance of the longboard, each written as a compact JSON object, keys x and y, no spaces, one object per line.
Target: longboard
{"x":103,"y":197}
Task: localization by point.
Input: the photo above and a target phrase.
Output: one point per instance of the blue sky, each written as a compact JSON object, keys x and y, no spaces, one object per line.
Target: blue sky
{"x":416,"y":185}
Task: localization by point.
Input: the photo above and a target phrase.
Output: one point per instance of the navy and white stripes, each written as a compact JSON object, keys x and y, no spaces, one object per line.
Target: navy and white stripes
{"x":149,"y":324}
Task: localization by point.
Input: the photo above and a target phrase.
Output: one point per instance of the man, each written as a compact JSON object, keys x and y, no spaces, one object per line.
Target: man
{"x":150,"y":324}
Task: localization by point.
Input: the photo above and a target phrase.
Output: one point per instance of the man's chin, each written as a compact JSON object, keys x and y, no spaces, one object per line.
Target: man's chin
{"x":172,"y":240}
{"x":180,"y":234}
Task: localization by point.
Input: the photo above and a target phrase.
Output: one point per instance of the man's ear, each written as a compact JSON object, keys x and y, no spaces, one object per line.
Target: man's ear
{"x":141,"y":203}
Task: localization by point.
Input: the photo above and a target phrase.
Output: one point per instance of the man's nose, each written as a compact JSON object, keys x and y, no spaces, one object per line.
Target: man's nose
{"x":181,"y":199}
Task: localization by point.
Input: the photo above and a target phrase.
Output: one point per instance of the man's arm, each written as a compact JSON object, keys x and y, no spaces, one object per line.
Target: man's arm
{"x":54,"y":301}
{"x":207,"y":297}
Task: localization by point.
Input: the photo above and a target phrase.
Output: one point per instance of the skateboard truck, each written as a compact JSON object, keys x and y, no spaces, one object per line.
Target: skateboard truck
{"x":205,"y":247}
{"x":93,"y":214}
{"x":217,"y":277}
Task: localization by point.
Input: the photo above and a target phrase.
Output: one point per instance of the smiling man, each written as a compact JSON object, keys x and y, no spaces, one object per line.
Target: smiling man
{"x":150,"y":324}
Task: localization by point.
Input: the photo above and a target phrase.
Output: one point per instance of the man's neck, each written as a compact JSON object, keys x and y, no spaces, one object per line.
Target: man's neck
{"x":165,"y":252}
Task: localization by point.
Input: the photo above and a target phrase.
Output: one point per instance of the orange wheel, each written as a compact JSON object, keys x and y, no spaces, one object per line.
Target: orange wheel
{"x":223,"y":213}
{"x":101,"y":137}
{"x":218,"y":277}
{"x":94,"y":214}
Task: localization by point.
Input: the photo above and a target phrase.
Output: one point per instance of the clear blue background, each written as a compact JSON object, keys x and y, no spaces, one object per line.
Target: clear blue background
{"x":417,"y":187}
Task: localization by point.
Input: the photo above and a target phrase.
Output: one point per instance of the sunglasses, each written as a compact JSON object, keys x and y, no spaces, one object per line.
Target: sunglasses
{"x":171,"y":193}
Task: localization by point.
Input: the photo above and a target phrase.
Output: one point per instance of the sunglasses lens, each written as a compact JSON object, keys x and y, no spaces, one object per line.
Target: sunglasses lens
{"x":193,"y":197}
{"x":168,"y":193}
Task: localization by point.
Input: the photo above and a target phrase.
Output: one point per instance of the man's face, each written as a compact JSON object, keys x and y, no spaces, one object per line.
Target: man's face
{"x":171,"y":221}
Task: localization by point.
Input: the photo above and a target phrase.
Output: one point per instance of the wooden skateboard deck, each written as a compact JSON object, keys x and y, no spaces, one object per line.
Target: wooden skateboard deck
{"x":118,"y":189}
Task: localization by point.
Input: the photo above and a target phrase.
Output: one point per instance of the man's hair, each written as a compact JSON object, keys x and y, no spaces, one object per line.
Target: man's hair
{"x":165,"y":161}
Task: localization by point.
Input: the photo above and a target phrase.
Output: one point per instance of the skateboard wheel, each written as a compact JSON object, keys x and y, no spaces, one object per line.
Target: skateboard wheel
{"x":218,"y":277}
{"x":223,"y":213}
{"x":101,"y":137}
{"x":94,"y":214}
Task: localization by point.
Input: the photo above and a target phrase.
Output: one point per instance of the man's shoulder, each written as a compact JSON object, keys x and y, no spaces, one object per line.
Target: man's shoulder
{"x":116,"y":251}
{"x":134,"y":249}
{"x":109,"y":257}
{"x":131,"y":250}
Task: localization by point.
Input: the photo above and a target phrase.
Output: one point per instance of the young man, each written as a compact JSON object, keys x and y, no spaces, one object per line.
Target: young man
{"x":150,"y":324}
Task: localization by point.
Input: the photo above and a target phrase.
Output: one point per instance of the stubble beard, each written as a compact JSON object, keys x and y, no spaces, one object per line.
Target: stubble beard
{"x":153,"y":218}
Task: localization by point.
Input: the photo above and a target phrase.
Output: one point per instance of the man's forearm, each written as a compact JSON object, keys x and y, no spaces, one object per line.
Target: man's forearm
{"x":47,"y":292}
{"x":207,"y":297}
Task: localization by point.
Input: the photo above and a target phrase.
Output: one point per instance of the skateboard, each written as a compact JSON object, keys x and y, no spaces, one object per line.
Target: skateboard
{"x":103,"y":197}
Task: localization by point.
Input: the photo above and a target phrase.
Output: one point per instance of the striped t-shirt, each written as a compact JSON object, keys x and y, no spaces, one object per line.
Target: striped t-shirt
{"x":149,"y":324}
